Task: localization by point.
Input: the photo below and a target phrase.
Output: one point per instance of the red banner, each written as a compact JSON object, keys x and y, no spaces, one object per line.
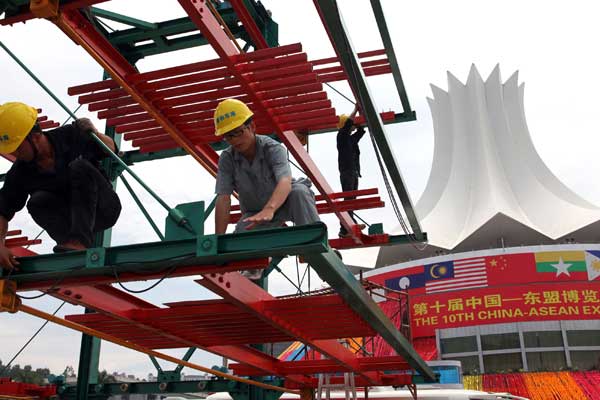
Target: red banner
{"x":533,"y":302}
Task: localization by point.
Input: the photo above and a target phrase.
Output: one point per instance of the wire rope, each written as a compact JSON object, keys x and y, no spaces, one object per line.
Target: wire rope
{"x":30,"y":340}
{"x":414,"y":243}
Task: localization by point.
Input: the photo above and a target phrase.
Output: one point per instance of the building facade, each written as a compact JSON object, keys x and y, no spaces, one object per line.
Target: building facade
{"x":532,"y":308}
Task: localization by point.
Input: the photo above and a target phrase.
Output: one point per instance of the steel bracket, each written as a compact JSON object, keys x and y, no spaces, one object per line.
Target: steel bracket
{"x":376,"y":229}
{"x":95,"y":257}
{"x":8,"y":296}
{"x":206,"y":245}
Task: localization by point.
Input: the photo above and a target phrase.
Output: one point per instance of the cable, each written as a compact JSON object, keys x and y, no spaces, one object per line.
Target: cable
{"x":35,"y":238}
{"x":294,"y":164}
{"x":392,"y":198}
{"x":52,"y":288}
{"x":362,"y":220}
{"x":298,"y":276}
{"x":341,"y":94}
{"x":31,"y":339}
{"x":155,"y":284}
{"x":388,"y":186}
{"x":289,"y":280}
{"x":71,"y":115}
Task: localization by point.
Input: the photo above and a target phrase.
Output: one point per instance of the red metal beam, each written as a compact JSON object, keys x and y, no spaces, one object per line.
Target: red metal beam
{"x":249,"y":24}
{"x":82,"y":32}
{"x":385,"y":380}
{"x":238,"y":290}
{"x":213,"y":32}
{"x":139,"y":275}
{"x":388,"y":363}
{"x":117,"y":304}
{"x":26,"y":16}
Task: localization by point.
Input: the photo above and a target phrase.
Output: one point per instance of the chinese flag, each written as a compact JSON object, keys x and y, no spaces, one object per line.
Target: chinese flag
{"x":511,"y":268}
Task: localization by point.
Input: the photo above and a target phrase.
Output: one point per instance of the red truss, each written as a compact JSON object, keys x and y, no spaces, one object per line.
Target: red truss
{"x":174,"y":107}
{"x":287,"y":83}
{"x":246,"y":315}
{"x":217,"y":322}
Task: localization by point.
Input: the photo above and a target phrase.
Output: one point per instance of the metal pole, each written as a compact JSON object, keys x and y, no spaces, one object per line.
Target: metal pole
{"x":35,"y":78}
{"x":142,"y":208}
{"x":391,"y":54}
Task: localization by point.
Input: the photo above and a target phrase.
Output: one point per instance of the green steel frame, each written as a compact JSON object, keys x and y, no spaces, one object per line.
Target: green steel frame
{"x":145,"y":39}
{"x":152,"y":257}
{"x":332,"y":270}
{"x":334,"y":23}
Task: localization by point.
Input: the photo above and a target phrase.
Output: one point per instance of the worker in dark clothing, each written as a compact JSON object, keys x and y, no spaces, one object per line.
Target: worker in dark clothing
{"x":349,"y":158}
{"x":59,"y":171}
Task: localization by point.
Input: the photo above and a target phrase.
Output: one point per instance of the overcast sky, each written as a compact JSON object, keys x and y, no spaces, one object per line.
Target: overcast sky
{"x":553,"y":46}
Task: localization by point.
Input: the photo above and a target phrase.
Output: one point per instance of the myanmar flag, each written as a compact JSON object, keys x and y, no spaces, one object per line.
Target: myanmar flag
{"x":562,"y":265}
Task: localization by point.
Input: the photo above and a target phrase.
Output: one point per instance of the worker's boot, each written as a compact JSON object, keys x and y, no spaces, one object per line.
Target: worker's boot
{"x":70,"y":245}
{"x":345,"y":234}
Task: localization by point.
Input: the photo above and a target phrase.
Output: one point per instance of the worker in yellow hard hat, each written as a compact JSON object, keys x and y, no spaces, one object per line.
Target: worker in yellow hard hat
{"x":348,"y":137}
{"x":57,"y":175}
{"x":257,"y":168}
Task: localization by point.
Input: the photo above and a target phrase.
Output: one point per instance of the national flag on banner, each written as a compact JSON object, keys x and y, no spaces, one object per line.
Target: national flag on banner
{"x":506,"y":269}
{"x":411,"y":279}
{"x":592,"y":263}
{"x":562,"y":265}
{"x":455,"y":275}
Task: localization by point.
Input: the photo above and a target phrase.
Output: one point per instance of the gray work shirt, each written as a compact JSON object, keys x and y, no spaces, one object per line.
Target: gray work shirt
{"x":254,"y":181}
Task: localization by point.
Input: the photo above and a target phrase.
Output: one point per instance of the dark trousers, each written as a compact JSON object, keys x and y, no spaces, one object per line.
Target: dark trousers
{"x":91,"y":205}
{"x":349,"y":181}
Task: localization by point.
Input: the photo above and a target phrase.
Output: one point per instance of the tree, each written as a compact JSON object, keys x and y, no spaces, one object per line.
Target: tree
{"x":105,"y":377}
{"x":69,"y":372}
{"x":25,"y":374}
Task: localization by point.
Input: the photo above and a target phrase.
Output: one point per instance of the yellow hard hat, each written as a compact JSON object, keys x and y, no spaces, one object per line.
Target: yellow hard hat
{"x":342,"y":121}
{"x":16,"y":121}
{"x":230,"y":114}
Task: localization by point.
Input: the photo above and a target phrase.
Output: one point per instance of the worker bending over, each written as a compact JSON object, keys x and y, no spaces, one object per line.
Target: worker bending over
{"x":257,"y":168}
{"x":59,"y":171}
{"x":349,"y":158}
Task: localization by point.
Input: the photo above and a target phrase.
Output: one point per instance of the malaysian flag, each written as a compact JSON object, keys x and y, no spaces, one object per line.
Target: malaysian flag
{"x":454,"y":275}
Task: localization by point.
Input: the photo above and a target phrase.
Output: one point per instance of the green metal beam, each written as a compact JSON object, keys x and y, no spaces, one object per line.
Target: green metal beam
{"x":391,"y":54}
{"x":153,"y":257}
{"x":89,"y":359}
{"x":332,"y":270}
{"x":122,"y":19}
{"x":398,"y":118}
{"x":357,"y":80}
{"x":177,"y":34}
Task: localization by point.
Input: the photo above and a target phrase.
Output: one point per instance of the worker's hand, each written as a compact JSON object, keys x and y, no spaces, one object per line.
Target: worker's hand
{"x":7,"y":259}
{"x":85,"y":125}
{"x":266,"y":215}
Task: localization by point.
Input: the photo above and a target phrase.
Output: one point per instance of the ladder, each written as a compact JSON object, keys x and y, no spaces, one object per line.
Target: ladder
{"x":348,"y":386}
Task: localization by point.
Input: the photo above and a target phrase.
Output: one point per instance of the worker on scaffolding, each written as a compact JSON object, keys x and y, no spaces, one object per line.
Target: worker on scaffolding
{"x":257,"y":168}
{"x":59,"y":170}
{"x":348,"y":137}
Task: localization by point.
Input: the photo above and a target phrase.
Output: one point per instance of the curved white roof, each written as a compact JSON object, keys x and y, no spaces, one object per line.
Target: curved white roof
{"x":488,"y":184}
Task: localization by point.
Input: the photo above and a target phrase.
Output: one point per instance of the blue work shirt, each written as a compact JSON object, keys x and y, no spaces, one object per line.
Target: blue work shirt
{"x":254,"y":181}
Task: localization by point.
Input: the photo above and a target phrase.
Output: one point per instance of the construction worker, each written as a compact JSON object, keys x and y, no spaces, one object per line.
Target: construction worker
{"x":348,"y":137}
{"x":58,"y":170}
{"x":257,"y":168}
